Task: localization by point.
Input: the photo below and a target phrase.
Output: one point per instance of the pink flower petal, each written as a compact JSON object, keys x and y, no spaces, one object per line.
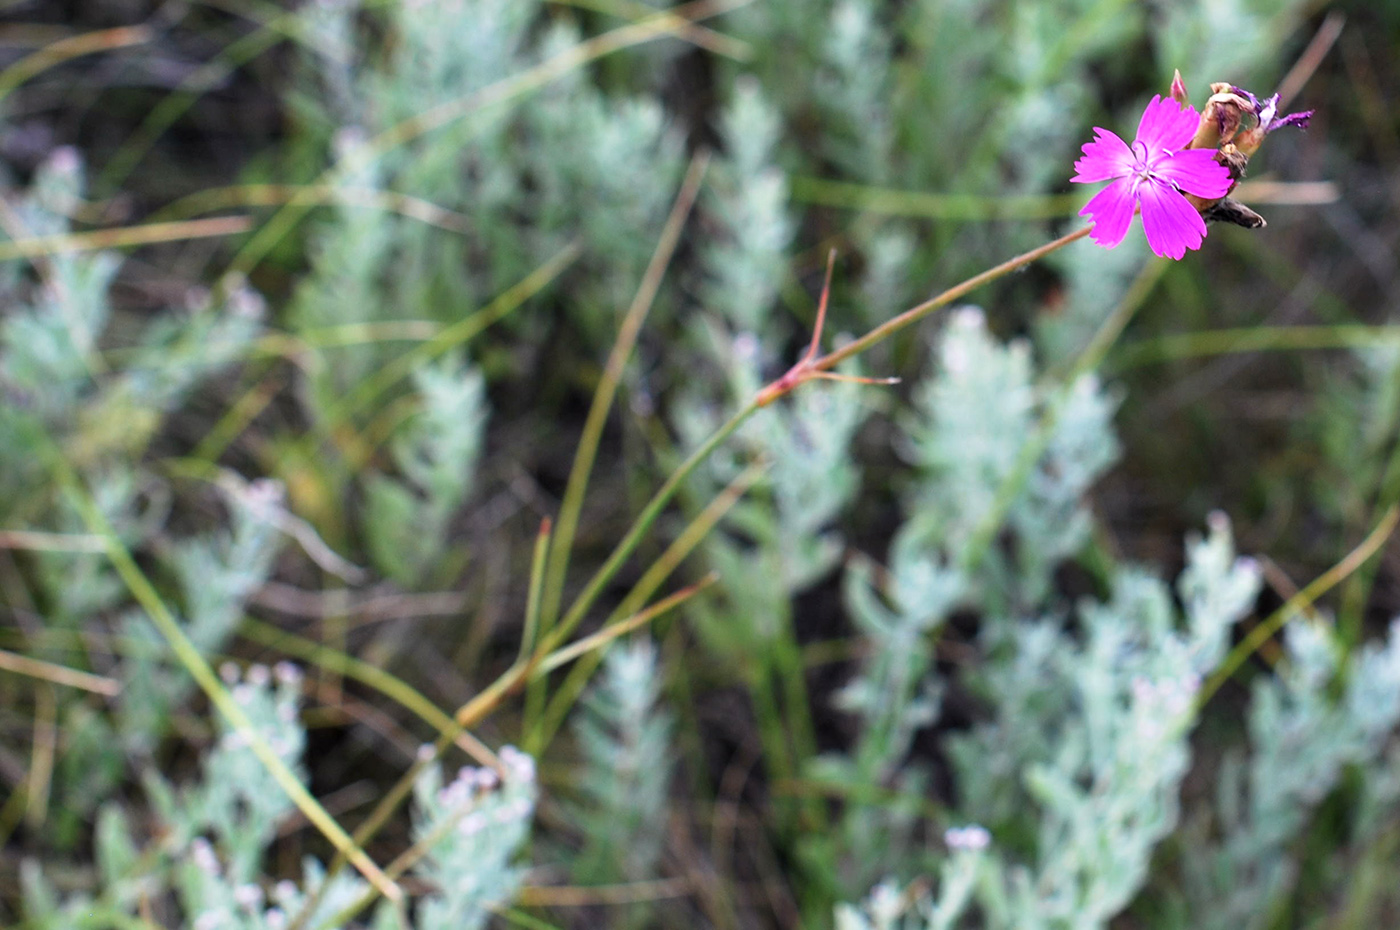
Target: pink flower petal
{"x":1111,"y":209}
{"x":1106,"y":157}
{"x":1166,"y":126}
{"x":1172,"y":225}
{"x":1196,"y":172}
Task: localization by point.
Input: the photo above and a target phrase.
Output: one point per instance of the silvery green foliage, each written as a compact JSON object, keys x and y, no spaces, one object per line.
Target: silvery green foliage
{"x":81,"y":584}
{"x":1319,"y":714}
{"x":122,"y":877}
{"x":892,"y":694}
{"x":624,"y":738}
{"x":884,"y":287}
{"x":1091,"y":732}
{"x":439,"y":60}
{"x":474,"y":826}
{"x":853,"y":87}
{"x":101,"y":409}
{"x":239,"y":805}
{"x":221,"y":828}
{"x":50,"y":344}
{"x":575,"y":164}
{"x":892,"y":697}
{"x":216,"y":573}
{"x":1079,"y":769}
{"x":212,"y":836}
{"x":975,"y":426}
{"x":348,"y":260}
{"x":1219,"y":41}
{"x":889,"y":907}
{"x":1354,"y":422}
{"x":785,"y":542}
{"x":436,"y":451}
{"x":746,"y":200}
{"x":1094,"y":281}
{"x":50,"y":338}
{"x":609,"y":191}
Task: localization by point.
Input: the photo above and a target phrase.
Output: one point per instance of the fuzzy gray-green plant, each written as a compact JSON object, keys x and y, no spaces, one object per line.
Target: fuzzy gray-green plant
{"x":1322,"y":713}
{"x":208,"y":847}
{"x":474,"y":826}
{"x":624,"y":736}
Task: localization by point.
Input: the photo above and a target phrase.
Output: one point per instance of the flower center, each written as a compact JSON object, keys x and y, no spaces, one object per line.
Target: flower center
{"x":1143,"y":168}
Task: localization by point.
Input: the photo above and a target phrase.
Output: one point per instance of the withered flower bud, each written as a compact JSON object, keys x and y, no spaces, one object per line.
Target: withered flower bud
{"x":1221,"y":118}
{"x":1235,"y":122}
{"x":1266,"y":120}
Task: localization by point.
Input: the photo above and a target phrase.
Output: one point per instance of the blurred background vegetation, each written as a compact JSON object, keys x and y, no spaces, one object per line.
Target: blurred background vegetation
{"x":306,"y":312}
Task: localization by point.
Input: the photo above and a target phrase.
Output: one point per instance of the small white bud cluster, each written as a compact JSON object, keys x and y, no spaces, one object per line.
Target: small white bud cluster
{"x":248,"y":896}
{"x":971,"y":838}
{"x":203,"y":856}
{"x":212,"y":920}
{"x":472,"y":783}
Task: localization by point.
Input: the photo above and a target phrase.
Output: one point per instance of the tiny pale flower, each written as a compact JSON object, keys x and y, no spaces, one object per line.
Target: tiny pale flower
{"x":1153,"y":174}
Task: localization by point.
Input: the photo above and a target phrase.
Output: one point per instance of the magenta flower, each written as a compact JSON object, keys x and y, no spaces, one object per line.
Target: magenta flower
{"x":1154,"y":173}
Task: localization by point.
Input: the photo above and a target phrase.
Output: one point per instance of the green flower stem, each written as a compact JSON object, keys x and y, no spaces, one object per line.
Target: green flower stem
{"x":804,"y":372}
{"x":917,"y":313}
{"x":623,"y":345}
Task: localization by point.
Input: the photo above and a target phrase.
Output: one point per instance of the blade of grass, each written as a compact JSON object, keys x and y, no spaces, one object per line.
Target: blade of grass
{"x":1251,"y":339}
{"x":587,"y":449}
{"x":534,"y":691}
{"x":321,"y":195}
{"x":539,"y":733}
{"x":58,"y":674}
{"x":591,"y":895}
{"x":198,"y":667}
{"x":967,"y":207}
{"x":175,"y":104}
{"x":123,"y":237}
{"x":89,"y":43}
{"x":699,"y":36}
{"x":391,"y":686}
{"x":596,"y":641}
{"x":236,"y":419}
{"x":1297,"y":604}
{"x":532,"y":602}
{"x":34,"y":541}
{"x":522,"y":919}
{"x":45,"y":743}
